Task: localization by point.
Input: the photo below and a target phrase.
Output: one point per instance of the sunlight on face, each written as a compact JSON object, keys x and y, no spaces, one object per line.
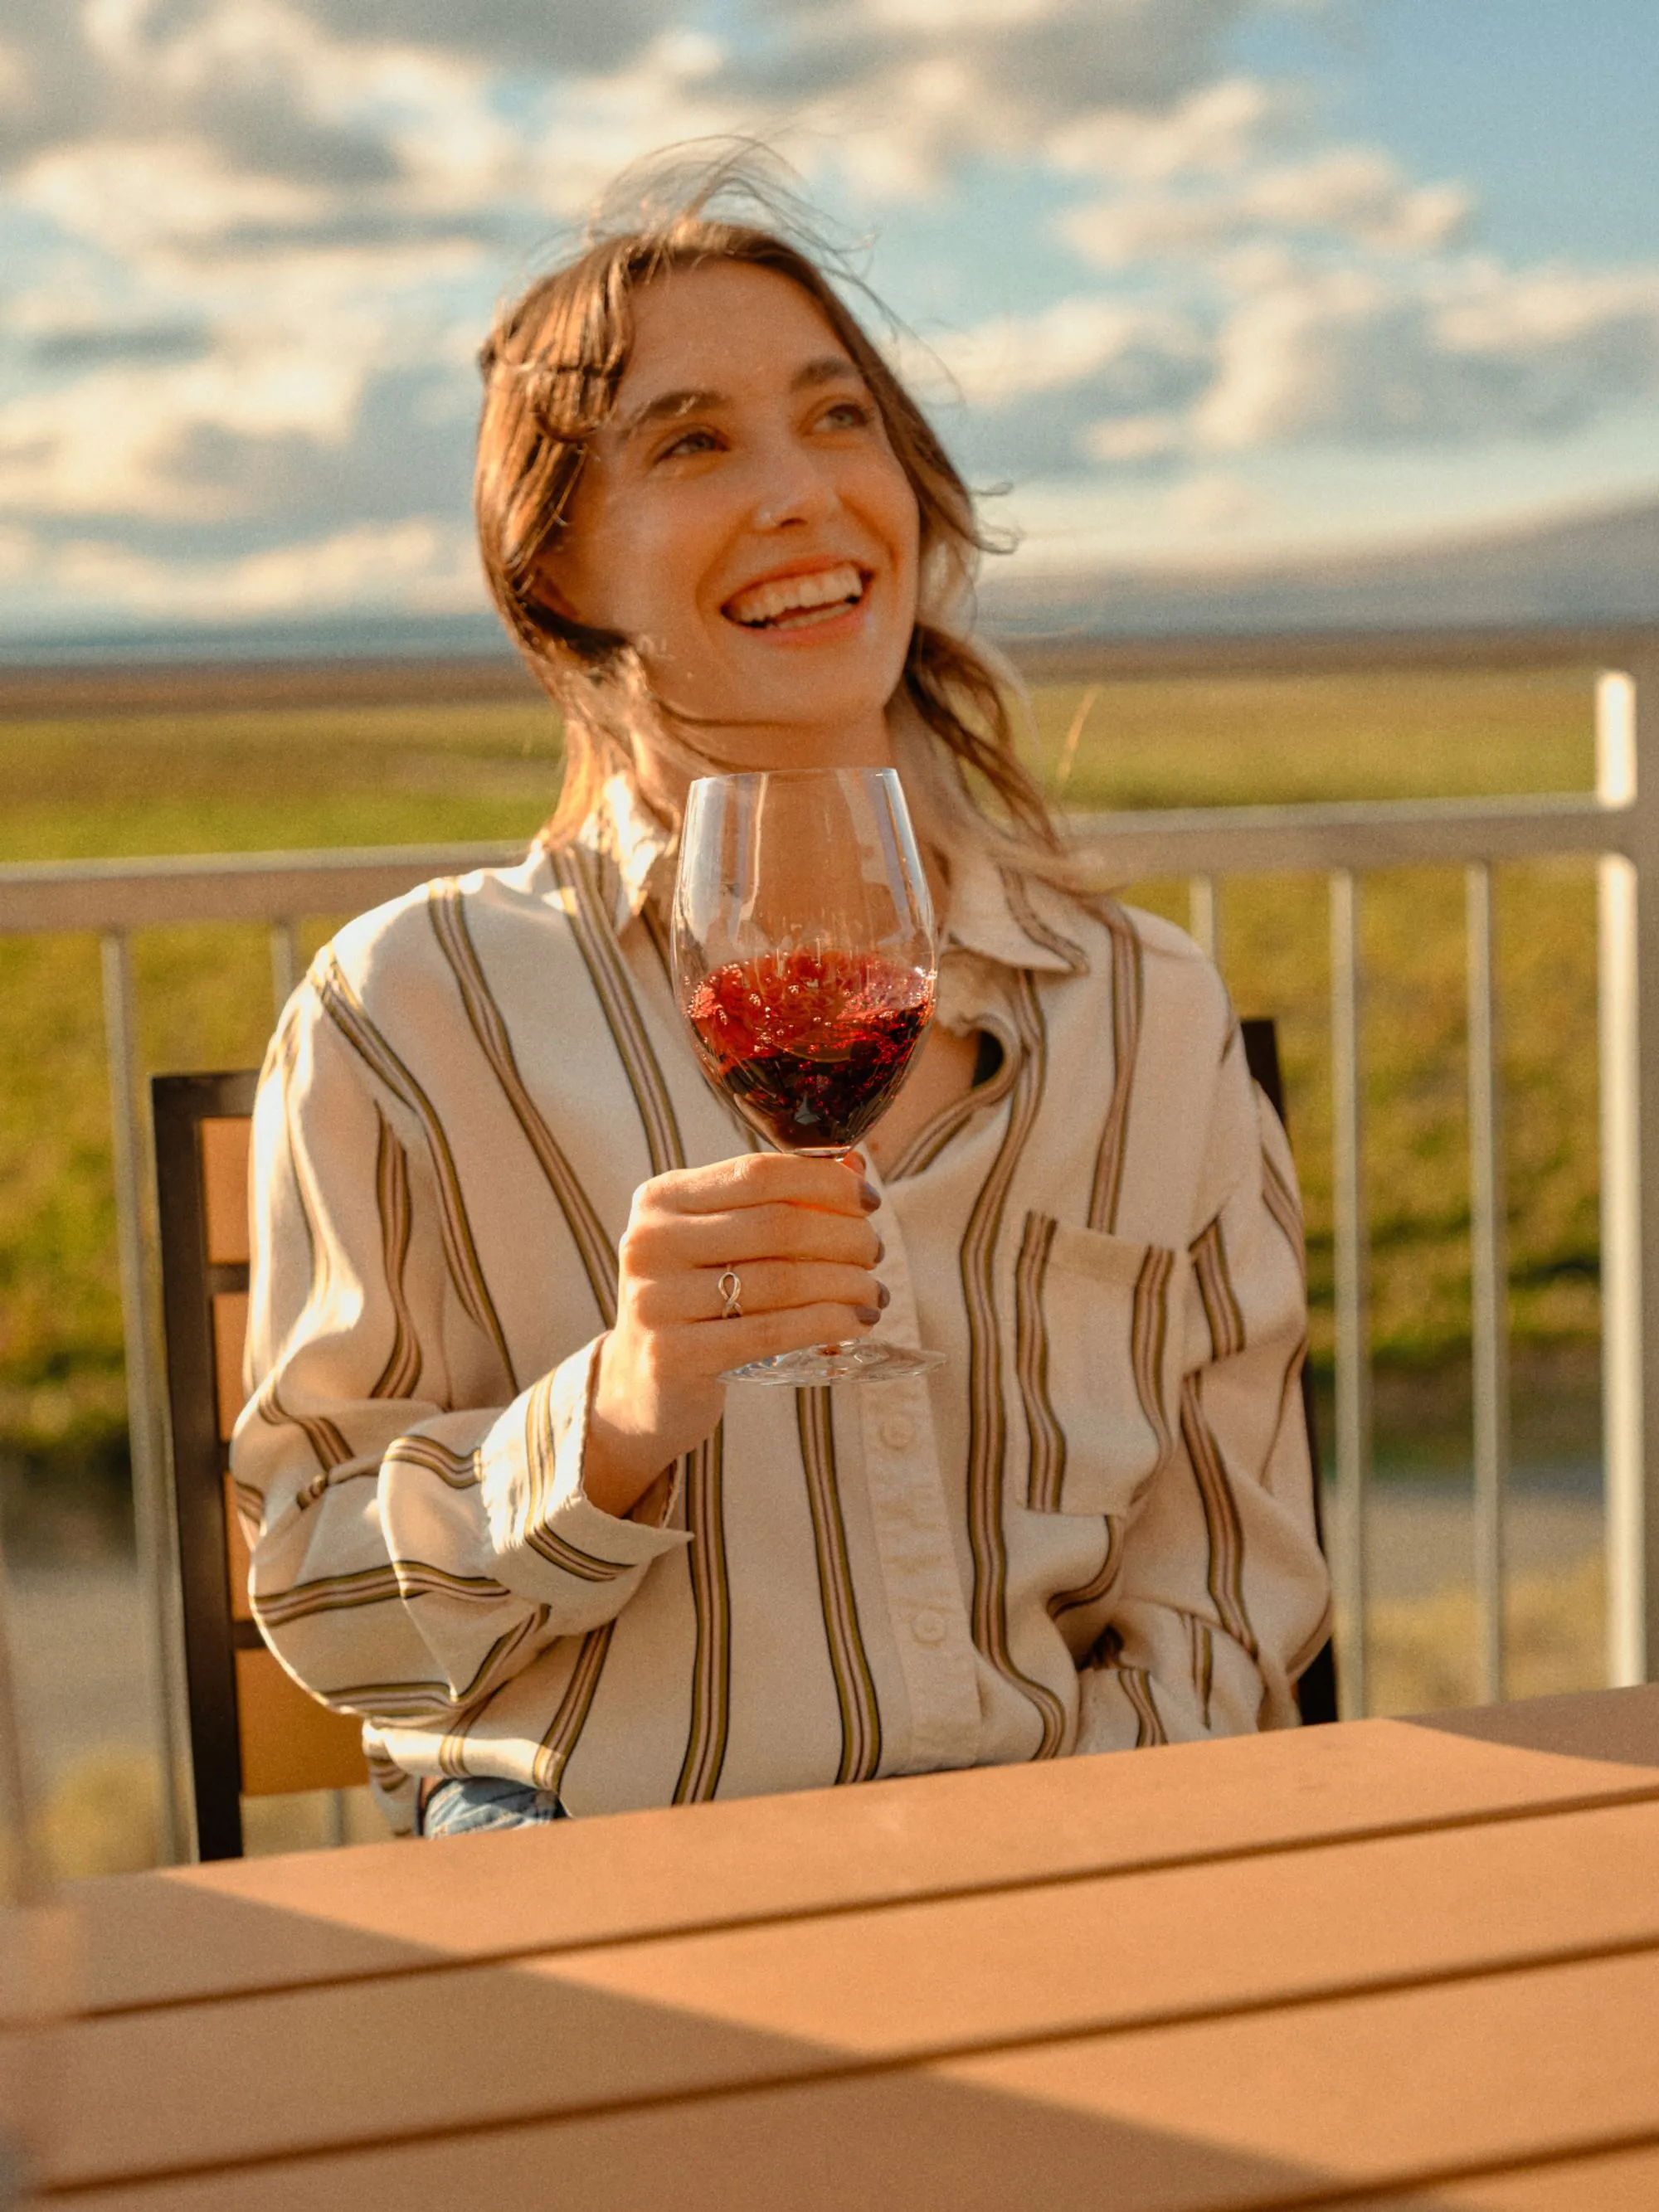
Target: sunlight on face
{"x":742,"y":518}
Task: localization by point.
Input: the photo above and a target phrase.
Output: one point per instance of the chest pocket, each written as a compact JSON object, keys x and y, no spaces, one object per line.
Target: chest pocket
{"x":1098,"y":1331}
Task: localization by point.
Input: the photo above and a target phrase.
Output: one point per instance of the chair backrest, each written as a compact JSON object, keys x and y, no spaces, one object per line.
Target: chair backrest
{"x":1316,"y":1693}
{"x":253,"y":1732}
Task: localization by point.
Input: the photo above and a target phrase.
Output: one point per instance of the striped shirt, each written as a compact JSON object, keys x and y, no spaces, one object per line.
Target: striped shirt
{"x":1091,"y":1527}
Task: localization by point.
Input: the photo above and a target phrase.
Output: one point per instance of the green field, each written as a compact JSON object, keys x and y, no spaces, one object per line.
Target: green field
{"x":220,"y":782}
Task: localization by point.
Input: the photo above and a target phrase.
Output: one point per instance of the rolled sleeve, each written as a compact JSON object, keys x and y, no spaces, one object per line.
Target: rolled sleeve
{"x":555,"y":1545}
{"x":419,"y":1533}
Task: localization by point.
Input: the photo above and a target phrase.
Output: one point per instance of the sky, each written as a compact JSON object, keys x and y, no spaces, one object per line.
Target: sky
{"x":1189,"y":284}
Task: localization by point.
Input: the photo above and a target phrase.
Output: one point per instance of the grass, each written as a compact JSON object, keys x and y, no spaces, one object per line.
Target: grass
{"x":196,"y":783}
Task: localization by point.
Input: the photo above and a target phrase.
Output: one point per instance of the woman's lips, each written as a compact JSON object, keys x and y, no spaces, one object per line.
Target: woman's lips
{"x":799,"y":602}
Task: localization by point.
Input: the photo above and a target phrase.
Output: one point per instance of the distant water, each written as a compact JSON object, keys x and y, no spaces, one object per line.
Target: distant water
{"x":367,"y":638}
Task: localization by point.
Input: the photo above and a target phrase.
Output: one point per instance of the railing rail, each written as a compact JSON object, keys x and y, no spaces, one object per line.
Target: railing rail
{"x":1619,"y":824}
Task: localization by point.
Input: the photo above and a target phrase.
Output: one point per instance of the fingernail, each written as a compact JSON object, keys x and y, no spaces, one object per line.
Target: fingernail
{"x":868,"y":1315}
{"x":869,"y":1198}
{"x":885,"y":1296}
{"x":881,"y":1251}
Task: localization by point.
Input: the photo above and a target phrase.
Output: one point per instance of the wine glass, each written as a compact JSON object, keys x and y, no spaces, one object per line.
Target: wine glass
{"x":804,"y":959}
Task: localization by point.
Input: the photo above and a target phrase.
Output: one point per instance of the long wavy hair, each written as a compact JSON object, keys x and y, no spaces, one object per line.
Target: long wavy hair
{"x":551,"y":365}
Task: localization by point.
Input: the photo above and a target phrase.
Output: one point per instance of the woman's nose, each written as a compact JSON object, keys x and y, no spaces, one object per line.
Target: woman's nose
{"x":789,"y":489}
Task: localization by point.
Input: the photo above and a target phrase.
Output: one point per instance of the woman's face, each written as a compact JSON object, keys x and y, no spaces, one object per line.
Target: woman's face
{"x":743,"y":519}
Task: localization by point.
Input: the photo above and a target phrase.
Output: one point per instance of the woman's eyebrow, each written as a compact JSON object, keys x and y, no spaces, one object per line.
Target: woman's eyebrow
{"x":665,"y":407}
{"x":828,"y":368}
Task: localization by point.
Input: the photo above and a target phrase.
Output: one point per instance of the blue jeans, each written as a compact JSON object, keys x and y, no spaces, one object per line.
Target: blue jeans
{"x":461,"y":1809}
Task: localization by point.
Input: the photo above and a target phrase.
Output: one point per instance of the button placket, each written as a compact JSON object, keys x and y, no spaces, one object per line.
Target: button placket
{"x":925,"y":1603}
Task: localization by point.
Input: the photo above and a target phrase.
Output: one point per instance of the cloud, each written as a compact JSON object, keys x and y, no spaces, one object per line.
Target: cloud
{"x":1212,"y":131}
{"x":1088,"y":378}
{"x":420,"y":565}
{"x":905,"y":89}
{"x":272,"y":432}
{"x":69,"y":348}
{"x":540,"y":35}
{"x":1401,"y":356}
{"x":1474,"y":353}
{"x":1353,"y":194}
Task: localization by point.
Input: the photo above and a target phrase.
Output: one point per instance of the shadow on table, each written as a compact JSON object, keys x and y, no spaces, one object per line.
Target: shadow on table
{"x":347,"y":2099}
{"x":1623,"y":1730}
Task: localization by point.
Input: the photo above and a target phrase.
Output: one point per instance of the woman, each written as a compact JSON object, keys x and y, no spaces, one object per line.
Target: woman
{"x":504,"y":1507}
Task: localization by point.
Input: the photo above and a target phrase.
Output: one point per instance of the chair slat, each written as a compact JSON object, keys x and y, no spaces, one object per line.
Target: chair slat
{"x":224,"y":1189}
{"x":289,"y":1740}
{"x":229,"y":1334}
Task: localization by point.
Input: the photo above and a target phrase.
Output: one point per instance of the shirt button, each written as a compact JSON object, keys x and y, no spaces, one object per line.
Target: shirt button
{"x":898,"y":1432}
{"x":928,"y":1626}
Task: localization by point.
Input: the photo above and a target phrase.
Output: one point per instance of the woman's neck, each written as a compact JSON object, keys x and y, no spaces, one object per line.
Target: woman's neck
{"x":665,"y":775}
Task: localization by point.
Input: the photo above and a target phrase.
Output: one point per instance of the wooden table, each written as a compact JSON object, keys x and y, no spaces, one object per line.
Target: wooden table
{"x":1394,"y":1963}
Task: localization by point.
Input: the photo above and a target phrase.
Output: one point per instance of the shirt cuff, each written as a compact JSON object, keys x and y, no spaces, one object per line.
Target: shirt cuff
{"x":555,"y":1546}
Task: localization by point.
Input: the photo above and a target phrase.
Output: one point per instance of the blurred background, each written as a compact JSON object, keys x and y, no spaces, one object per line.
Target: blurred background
{"x":1254,"y":318}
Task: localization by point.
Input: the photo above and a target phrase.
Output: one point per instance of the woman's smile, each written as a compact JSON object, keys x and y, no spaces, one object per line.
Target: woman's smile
{"x":800,"y":599}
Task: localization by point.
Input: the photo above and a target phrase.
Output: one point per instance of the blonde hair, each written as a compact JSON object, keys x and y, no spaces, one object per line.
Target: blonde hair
{"x":551,"y":365}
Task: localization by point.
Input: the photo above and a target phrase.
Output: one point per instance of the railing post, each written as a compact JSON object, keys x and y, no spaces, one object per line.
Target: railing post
{"x":1204,"y":916}
{"x":1488,"y":1283}
{"x":1628,"y":982}
{"x":284,"y":960}
{"x":151,"y":1489}
{"x":1353,"y":1350}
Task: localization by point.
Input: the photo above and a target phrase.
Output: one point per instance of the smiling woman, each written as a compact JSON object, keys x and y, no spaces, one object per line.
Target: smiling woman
{"x":702,"y":378}
{"x":502,"y":1501}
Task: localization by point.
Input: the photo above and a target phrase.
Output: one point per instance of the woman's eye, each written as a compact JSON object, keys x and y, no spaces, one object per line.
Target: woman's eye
{"x":848,"y":415}
{"x":688,"y":443}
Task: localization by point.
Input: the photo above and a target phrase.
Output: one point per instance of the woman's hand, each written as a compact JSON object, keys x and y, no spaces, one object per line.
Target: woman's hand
{"x":798,"y":1233}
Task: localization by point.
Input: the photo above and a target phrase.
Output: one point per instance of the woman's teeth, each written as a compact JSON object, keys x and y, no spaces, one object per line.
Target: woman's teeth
{"x":797,"y":600}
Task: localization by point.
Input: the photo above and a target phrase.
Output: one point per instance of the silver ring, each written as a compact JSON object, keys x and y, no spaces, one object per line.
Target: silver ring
{"x":730,"y":1288}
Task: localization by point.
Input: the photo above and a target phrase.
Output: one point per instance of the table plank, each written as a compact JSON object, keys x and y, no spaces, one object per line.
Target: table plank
{"x":1301,"y":2107}
{"x":1614,"y":2181}
{"x":694,"y":2014}
{"x":316,"y":1918}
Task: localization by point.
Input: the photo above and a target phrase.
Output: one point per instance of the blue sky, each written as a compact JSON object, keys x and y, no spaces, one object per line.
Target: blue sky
{"x":1204,"y":282}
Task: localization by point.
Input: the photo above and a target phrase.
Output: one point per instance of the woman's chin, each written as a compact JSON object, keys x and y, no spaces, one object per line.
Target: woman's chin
{"x":770,"y":733}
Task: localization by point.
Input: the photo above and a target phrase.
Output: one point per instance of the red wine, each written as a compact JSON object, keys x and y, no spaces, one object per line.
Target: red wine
{"x":811,"y":1046}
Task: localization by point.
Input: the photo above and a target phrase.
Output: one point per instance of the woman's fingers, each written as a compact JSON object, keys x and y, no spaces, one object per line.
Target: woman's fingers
{"x":762,"y":1179}
{"x":753,"y":1232}
{"x":710,"y":1348}
{"x":762,"y":1286}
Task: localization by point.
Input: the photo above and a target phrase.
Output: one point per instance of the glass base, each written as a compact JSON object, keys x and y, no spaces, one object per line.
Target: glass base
{"x":867,"y":1362}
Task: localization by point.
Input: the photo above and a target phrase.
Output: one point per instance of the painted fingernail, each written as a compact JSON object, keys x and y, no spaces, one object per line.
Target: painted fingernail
{"x":868,"y":1315}
{"x":881,"y":1252}
{"x":884,"y":1297}
{"x":869,"y":1198}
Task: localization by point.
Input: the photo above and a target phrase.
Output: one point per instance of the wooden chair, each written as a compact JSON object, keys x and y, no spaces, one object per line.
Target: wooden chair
{"x":1316,"y":1693}
{"x":253,"y":1732}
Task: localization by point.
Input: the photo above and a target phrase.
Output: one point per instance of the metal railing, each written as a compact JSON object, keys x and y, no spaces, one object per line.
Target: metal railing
{"x":1619,"y":824}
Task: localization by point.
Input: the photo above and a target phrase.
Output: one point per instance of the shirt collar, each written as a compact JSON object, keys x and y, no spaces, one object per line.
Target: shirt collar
{"x":1007,"y":916}
{"x":993,"y":911}
{"x":637,"y":846}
